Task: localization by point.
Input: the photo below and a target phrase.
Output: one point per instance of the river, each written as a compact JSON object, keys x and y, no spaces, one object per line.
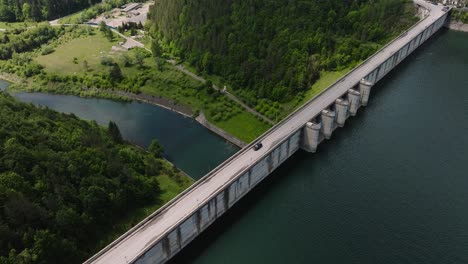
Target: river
{"x":390,"y":187}
{"x":187,"y":144}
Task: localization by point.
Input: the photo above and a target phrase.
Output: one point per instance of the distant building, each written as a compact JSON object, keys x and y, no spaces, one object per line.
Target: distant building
{"x":131,"y":6}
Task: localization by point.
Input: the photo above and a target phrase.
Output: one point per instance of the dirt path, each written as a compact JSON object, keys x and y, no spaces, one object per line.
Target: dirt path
{"x":130,"y":43}
{"x":231,"y":96}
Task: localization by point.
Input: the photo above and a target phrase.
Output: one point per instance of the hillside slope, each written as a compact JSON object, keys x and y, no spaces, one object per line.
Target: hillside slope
{"x":66,"y":184}
{"x":276,"y":49}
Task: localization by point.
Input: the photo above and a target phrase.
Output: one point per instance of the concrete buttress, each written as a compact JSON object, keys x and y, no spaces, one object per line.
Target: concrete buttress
{"x":328,"y":123}
{"x":354,"y":98}
{"x":365,"y":89}
{"x":341,"y":108}
{"x":311,"y":137}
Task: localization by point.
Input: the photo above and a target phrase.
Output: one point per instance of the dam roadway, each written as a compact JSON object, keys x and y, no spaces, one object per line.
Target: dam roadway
{"x":132,"y":246}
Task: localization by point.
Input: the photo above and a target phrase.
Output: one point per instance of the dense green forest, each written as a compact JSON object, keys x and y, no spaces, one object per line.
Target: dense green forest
{"x":275,"y":49}
{"x":40,"y":10}
{"x":64,"y":182}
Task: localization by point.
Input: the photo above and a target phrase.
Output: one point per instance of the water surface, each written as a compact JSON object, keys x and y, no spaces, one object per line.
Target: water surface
{"x":390,"y":187}
{"x":187,"y":144}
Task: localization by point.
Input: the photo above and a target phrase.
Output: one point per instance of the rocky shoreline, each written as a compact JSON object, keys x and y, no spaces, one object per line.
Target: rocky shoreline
{"x":161,"y":102}
{"x":183,"y":110}
{"x":457,"y":25}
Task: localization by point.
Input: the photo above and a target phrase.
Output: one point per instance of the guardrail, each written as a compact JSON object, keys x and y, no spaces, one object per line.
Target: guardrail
{"x":212,"y":173}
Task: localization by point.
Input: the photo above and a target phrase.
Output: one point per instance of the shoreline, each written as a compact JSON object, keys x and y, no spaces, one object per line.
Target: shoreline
{"x":165,"y":103}
{"x":157,"y":101}
{"x":185,"y":111}
{"x":201,"y":119}
{"x":11,"y":78}
{"x":456,"y":25}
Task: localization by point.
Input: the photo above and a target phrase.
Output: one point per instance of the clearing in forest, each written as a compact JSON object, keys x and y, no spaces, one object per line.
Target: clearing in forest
{"x":70,"y":57}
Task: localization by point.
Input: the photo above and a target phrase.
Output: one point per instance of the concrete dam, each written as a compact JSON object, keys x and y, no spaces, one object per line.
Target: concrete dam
{"x":168,"y":230}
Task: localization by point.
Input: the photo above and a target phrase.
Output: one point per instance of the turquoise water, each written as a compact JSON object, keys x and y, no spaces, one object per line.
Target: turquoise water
{"x":187,"y":144}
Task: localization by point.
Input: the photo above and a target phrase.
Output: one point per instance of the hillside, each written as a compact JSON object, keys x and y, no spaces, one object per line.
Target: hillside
{"x":68,"y":186}
{"x":275,"y":49}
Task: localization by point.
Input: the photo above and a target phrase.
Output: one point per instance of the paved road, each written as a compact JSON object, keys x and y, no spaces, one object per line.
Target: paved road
{"x":136,"y":241}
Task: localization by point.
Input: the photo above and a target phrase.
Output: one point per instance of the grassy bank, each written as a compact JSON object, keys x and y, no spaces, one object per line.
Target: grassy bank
{"x":85,"y":62}
{"x":326,"y":79}
{"x":170,"y":187}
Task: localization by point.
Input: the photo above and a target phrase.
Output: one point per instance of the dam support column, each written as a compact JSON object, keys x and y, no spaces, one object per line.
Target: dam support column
{"x":341,"y":108}
{"x":354,"y":98}
{"x":365,"y":89}
{"x":311,"y":137}
{"x":328,"y":123}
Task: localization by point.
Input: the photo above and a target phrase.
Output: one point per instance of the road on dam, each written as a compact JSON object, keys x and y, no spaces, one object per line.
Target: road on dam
{"x":138,"y":240}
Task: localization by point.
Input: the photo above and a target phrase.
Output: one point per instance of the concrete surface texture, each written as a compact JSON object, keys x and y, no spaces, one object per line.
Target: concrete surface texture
{"x":157,"y":238}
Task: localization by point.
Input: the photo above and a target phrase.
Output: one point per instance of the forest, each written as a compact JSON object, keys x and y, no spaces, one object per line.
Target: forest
{"x":275,"y":49}
{"x":41,"y":10}
{"x":65,"y":181}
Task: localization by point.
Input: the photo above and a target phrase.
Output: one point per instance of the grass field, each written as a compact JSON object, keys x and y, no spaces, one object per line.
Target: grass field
{"x":244,"y":126}
{"x":88,"y":48}
{"x":69,"y":56}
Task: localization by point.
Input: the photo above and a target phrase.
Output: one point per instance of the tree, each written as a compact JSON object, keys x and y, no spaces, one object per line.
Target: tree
{"x":102,"y":26}
{"x":106,"y":31}
{"x":107,"y":61}
{"x":96,"y":201}
{"x":114,"y":132}
{"x":140,"y":58}
{"x":62,"y":179}
{"x":206,"y":62}
{"x":156,"y":148}
{"x":268,"y":47}
{"x":209,"y":86}
{"x":26,"y":11}
{"x":159,"y":63}
{"x":115,"y":74}
{"x":125,"y":59}
{"x":156,"y":48}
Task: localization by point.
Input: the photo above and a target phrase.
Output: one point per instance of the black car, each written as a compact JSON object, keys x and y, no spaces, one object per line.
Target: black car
{"x":258,"y":146}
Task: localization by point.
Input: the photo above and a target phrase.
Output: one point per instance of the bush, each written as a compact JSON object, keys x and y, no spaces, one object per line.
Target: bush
{"x":47,"y":50}
{"x":107,"y":61}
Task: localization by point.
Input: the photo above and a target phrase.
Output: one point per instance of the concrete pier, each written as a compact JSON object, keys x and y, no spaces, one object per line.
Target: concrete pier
{"x":341,"y":109}
{"x":365,"y":89}
{"x":328,"y":123}
{"x":165,"y":232}
{"x":354,"y":98}
{"x":311,"y":136}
